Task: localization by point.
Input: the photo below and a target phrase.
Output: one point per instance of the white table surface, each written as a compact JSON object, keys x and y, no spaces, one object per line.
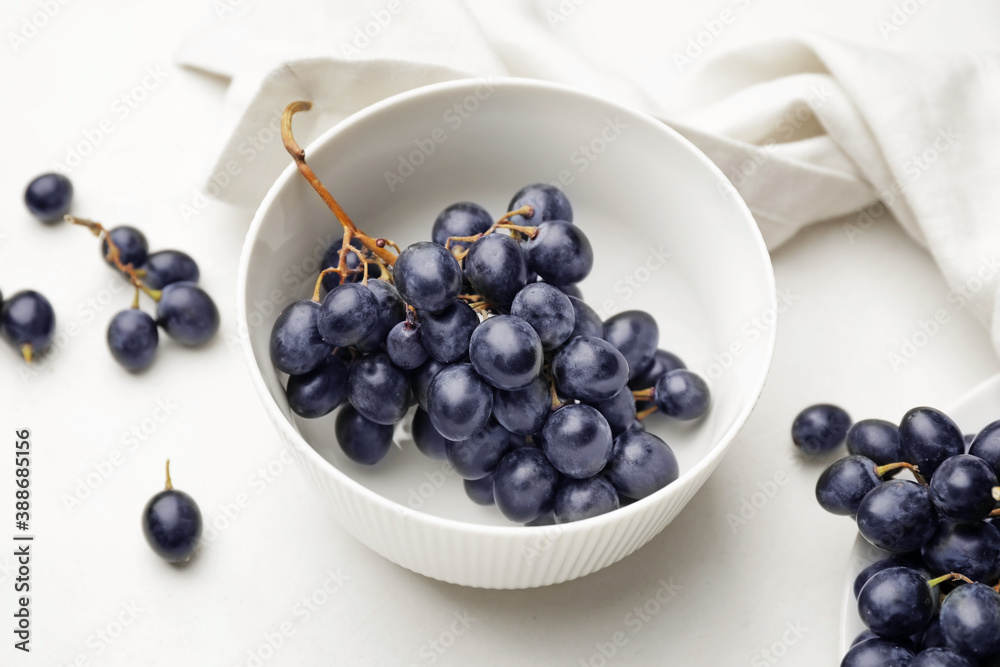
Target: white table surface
{"x":100,"y":597}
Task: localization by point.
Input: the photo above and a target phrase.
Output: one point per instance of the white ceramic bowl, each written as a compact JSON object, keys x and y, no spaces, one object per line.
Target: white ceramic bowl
{"x":670,"y":236}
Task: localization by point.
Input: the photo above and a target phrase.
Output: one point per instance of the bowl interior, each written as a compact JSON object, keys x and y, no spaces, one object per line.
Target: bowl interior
{"x":669,"y":238}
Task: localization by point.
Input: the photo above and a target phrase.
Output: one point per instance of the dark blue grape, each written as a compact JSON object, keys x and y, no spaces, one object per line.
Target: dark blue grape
{"x":378,"y":390}
{"x":548,"y":311}
{"x":187,"y":313}
{"x":897,"y":516}
{"x":331,"y":260}
{"x":420,"y":380}
{"x":27,"y":322}
{"x":878,"y":653}
{"x":641,"y":464}
{"x":132,"y":339}
{"x":844,"y":484}
{"x":319,"y":391}
{"x":971,"y":549}
{"x":348,"y":314}
{"x":896,"y":603}
{"x":586,"y":322}
{"x":497,"y":269}
{"x":167,"y":267}
{"x":427,"y":276}
{"x":549,"y":202}
{"x":589,"y":369}
{"x":430,"y":443}
{"x":171,"y":522}
{"x":506,"y":352}
{"x":462,"y":219}
{"x":820,"y":429}
{"x":132,"y":246}
{"x":663,"y":363}
{"x":579,"y":499}
{"x":986,"y":446}
{"x":446,"y":335}
{"x":911,"y":561}
{"x":682,"y":395}
{"x":296,"y":346}
{"x":927,"y":437}
{"x":479,"y":455}
{"x":524,"y":484}
{"x":480,"y":491}
{"x":391,"y":311}
{"x":941,"y":657}
{"x":962,"y":488}
{"x":362,"y":440}
{"x":48,"y":197}
{"x":635,"y":334}
{"x":970,"y":620}
{"x":577,"y":441}
{"x":523,"y":411}
{"x":459,"y":402}
{"x":560,"y":253}
{"x":876,"y":439}
{"x":619,"y":410}
{"x":405,"y":346}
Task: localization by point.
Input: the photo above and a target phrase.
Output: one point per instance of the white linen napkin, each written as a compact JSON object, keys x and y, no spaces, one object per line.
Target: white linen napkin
{"x":807,"y":128}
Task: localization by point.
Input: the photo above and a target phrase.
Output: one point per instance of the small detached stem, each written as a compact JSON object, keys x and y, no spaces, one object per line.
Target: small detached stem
{"x":114,"y":254}
{"x":169,"y":485}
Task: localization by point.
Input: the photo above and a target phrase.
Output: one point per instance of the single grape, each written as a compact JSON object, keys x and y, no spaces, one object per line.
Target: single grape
{"x":348,"y":314}
{"x":506,"y":352}
{"x":497,"y":269}
{"x":446,"y":334}
{"x":132,"y":339}
{"x":377,"y":389}
{"x":331,"y":260}
{"x":427,"y":276}
{"x":844,"y":484}
{"x":430,"y":443}
{"x":911,"y":561}
{"x":524,"y":484}
{"x":927,"y":437}
{"x":635,"y":334}
{"x":132,"y":246}
{"x":171,"y":522}
{"x":362,"y":440}
{"x":619,"y":410}
{"x":296,"y":346}
{"x":523,"y":411}
{"x":897,"y":516}
{"x":549,"y":202}
{"x":167,"y":267}
{"x":420,"y":380}
{"x":589,"y":369}
{"x":390,"y":311}
{"x":578,"y":499}
{"x":962,"y":488}
{"x":970,"y":620}
{"x":941,"y":657}
{"x":548,"y":311}
{"x":878,"y":653}
{"x":663,"y":363}
{"x":820,"y":429}
{"x":877,"y":439}
{"x":405,"y":345}
{"x":986,"y":446}
{"x":480,"y":491}
{"x":48,"y":197}
{"x":641,"y":464}
{"x":682,"y":395}
{"x":896,"y":603}
{"x":479,"y":455}
{"x":319,"y":391}
{"x":971,"y":549}
{"x":461,"y":219}
{"x":187,"y":313}
{"x":27,"y":322}
{"x":586,"y":322}
{"x":560,"y":253}
{"x":577,"y":441}
{"x":459,"y":402}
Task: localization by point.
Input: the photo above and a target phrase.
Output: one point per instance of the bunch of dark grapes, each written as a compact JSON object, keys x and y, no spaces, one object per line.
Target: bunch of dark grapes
{"x":528,"y":394}
{"x":935,"y":600}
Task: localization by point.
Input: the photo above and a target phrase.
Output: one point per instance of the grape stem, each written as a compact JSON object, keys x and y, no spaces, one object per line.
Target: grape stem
{"x":953,"y":576}
{"x":642,"y":414}
{"x":644,"y":394}
{"x":530,"y":232}
{"x":28,"y":352}
{"x":114,"y":255}
{"x":319,"y":281}
{"x":299,"y":156}
{"x":169,"y":485}
{"x":881,"y":471}
{"x":996,"y":493}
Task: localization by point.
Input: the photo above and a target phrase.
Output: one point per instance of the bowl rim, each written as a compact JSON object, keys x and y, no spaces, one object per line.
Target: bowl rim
{"x":293,"y":437}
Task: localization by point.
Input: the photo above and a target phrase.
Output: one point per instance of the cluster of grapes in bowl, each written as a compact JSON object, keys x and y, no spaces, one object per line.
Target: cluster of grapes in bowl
{"x":935,"y":599}
{"x":519,"y":384}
